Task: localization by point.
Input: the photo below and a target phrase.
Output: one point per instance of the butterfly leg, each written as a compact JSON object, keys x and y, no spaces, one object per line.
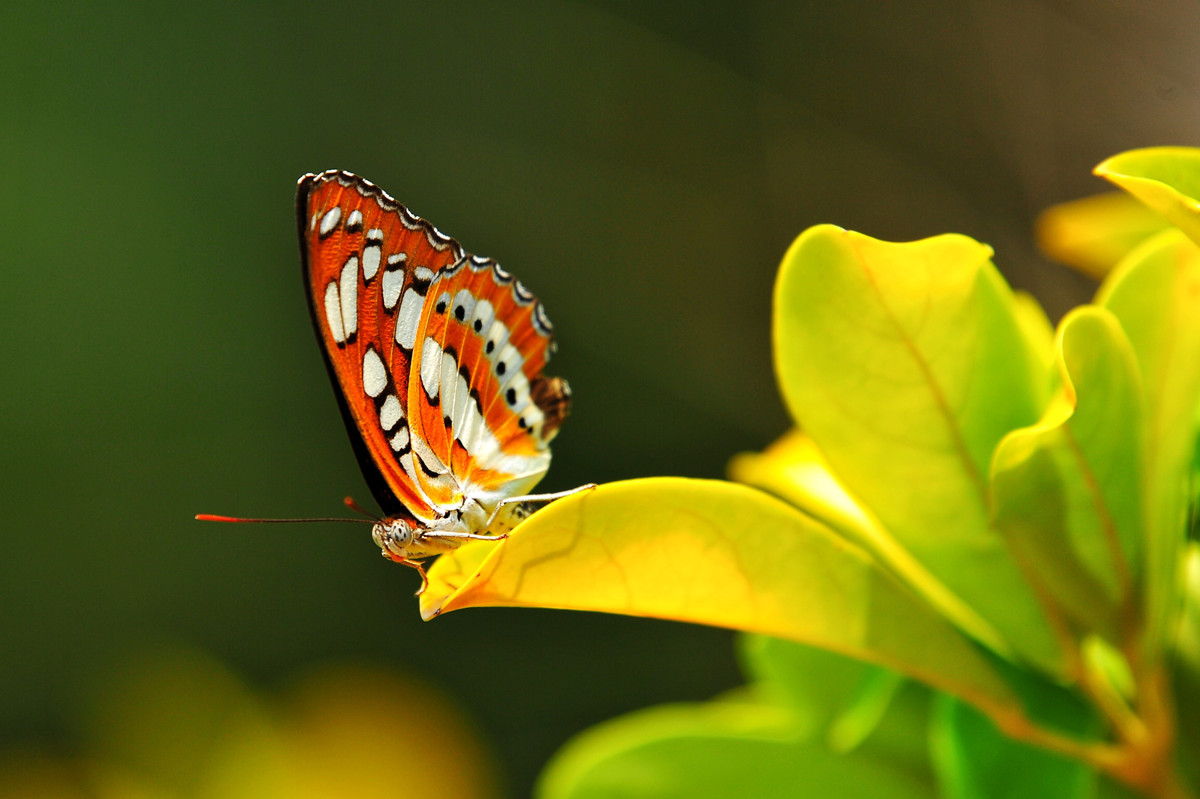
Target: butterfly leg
{"x":461,"y":536}
{"x":412,"y":564}
{"x":420,"y":567}
{"x":536,"y":498}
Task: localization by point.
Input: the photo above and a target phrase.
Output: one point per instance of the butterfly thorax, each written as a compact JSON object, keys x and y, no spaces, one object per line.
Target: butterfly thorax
{"x":403,"y":539}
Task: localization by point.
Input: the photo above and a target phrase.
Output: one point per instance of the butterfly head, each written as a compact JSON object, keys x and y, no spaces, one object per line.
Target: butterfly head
{"x":394,"y":537}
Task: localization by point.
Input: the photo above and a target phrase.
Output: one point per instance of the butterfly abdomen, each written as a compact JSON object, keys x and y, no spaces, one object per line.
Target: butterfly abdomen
{"x":553,"y":396}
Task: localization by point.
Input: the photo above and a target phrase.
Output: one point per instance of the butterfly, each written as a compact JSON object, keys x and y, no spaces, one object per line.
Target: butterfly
{"x":436,"y":358}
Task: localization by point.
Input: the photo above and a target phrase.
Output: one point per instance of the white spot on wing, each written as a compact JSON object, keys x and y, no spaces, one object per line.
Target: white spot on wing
{"x":333,"y":313}
{"x":521,"y":465}
{"x":469,"y":426}
{"x":462,"y":398}
{"x":396,"y":258}
{"x":391,"y":412}
{"x":508,"y":361}
{"x":421,"y":450}
{"x":478,"y":439}
{"x":443,"y":301}
{"x":497,"y":337}
{"x":355,"y":220}
{"x":408,"y":319}
{"x":519,"y":386}
{"x":533,"y":419}
{"x":431,"y":366}
{"x":481,"y":318}
{"x":393,"y":281}
{"x":400,"y":440}
{"x":467,"y":429}
{"x":406,"y":461}
{"x":330,"y":220}
{"x":375,"y":378}
{"x":450,"y":381}
{"x":349,"y":290}
{"x":465,"y":301}
{"x":423,"y":273}
{"x":371,"y":256}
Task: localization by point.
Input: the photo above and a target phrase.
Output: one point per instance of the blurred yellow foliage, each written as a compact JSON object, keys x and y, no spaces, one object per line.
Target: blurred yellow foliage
{"x":1093,"y":233}
{"x":176,"y":723}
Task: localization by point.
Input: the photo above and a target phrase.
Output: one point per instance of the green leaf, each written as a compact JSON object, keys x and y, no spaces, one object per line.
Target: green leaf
{"x":1166,"y":179}
{"x":839,"y":699}
{"x":974,"y":760}
{"x":1155,"y":294}
{"x":818,"y":685}
{"x":850,"y":705}
{"x":906,"y":364}
{"x":722,"y":749}
{"x":1067,"y":491}
{"x":1039,"y":337}
{"x":1187,"y":669}
{"x":722,"y":554}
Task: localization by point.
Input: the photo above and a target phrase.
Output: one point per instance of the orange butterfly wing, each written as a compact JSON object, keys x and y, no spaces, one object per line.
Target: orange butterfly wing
{"x":485,"y":410}
{"x":436,"y":355}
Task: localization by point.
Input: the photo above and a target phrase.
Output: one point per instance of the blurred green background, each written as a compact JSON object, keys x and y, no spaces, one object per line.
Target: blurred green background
{"x":641,"y":167}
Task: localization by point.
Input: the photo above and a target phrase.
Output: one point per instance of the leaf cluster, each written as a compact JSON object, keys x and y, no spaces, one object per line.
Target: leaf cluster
{"x":970,"y":555}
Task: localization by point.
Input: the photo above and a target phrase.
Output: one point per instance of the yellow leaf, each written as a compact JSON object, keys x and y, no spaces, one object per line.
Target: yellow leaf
{"x":721,"y":554}
{"x":907,"y":363}
{"x":1166,"y":179}
{"x":1093,"y":233}
{"x":1155,"y":294}
{"x":793,"y":469}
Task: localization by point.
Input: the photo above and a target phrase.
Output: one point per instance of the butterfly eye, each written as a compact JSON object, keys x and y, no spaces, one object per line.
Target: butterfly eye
{"x":391,"y":536}
{"x":397,"y":535}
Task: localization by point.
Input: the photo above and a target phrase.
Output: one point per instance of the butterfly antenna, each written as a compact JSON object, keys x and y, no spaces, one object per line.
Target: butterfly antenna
{"x":354,"y":506}
{"x":209,"y":517}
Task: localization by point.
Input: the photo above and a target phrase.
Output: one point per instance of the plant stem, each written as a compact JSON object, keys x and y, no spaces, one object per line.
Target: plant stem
{"x":1143,"y":759}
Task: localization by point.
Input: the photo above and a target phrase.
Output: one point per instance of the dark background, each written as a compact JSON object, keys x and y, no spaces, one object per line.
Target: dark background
{"x":641,"y":167}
